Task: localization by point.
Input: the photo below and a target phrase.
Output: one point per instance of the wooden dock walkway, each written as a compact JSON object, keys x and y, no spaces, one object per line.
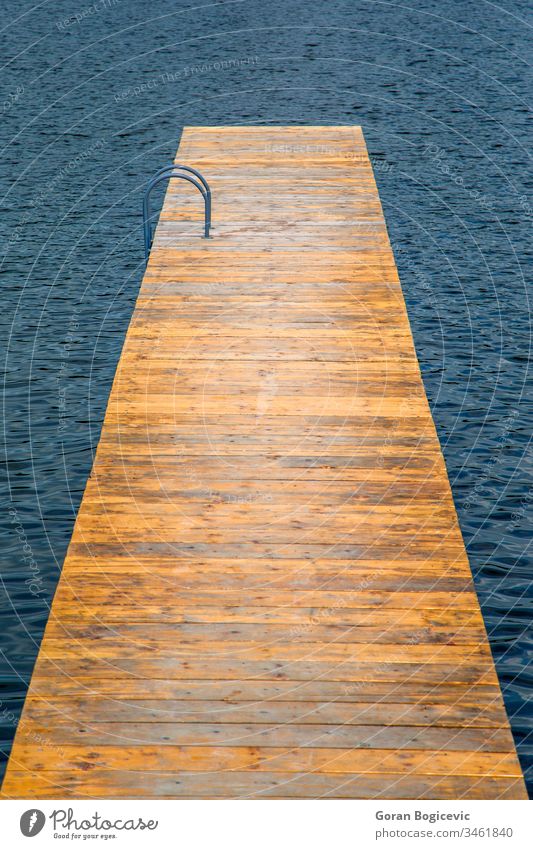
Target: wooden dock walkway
{"x":267,"y":593}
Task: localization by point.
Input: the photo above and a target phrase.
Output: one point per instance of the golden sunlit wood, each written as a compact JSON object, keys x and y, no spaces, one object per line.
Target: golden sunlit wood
{"x":267,"y":594}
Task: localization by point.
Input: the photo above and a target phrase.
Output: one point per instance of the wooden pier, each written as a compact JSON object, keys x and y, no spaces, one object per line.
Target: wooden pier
{"x":267,"y":594}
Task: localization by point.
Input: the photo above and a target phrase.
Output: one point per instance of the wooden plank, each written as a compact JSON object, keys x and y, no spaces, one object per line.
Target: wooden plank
{"x":151,"y":665}
{"x":198,"y":634}
{"x":157,"y":760}
{"x":250,"y":784}
{"x":477,"y":695}
{"x":170,"y":597}
{"x":266,"y":594}
{"x":282,"y":735}
{"x":100,"y":709}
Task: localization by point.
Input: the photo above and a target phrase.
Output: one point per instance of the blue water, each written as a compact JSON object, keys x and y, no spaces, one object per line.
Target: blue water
{"x":91,"y":106}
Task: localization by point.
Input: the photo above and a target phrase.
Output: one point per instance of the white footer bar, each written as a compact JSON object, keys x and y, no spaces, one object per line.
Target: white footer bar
{"x":266,"y":824}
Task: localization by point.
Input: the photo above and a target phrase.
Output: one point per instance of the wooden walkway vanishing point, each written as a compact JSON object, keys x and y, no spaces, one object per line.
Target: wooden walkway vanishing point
{"x":267,"y":593}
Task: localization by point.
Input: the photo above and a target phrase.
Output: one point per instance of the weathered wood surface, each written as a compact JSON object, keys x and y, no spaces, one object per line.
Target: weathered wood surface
{"x":267,"y":592}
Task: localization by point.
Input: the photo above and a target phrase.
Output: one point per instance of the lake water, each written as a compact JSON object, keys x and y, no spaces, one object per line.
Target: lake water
{"x":94,"y":97}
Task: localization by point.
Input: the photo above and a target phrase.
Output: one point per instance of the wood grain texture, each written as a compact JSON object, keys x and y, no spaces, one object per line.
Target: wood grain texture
{"x":267,"y":593}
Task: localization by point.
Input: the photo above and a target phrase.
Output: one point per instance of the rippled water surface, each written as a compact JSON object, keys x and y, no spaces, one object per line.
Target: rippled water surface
{"x":93,"y":104}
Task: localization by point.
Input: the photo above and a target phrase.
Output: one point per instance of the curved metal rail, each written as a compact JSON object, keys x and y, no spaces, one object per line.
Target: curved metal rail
{"x":166,"y":173}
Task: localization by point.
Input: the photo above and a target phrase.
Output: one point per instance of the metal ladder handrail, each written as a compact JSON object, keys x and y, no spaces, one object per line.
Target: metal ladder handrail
{"x":196,"y":173}
{"x":165,"y":173}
